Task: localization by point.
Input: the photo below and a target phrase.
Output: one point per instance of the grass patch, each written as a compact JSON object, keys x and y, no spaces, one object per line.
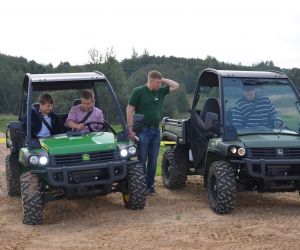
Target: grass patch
{"x":4,"y":119}
{"x":162,"y":149}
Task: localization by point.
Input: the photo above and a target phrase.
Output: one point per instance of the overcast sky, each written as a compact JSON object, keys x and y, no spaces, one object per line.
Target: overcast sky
{"x":233,"y":31}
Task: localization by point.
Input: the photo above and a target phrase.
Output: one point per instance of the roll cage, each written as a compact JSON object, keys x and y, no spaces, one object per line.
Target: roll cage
{"x":64,"y":81}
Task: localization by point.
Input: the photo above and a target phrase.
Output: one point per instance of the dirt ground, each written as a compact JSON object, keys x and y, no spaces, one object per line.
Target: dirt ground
{"x":171,"y":220}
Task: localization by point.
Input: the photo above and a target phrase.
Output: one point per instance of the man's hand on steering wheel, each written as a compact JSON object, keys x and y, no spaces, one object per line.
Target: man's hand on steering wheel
{"x":88,"y":124}
{"x":278,"y":123}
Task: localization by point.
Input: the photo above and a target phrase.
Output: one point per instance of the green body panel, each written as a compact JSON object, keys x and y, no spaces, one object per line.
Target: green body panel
{"x":266,"y":141}
{"x":259,"y":141}
{"x":91,"y":142}
{"x":219,"y":147}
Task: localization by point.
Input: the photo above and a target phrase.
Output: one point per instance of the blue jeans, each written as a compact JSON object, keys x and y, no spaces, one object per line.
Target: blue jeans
{"x":149,"y":142}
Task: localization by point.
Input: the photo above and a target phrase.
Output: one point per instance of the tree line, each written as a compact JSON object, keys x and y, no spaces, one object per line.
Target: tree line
{"x":124,"y":75}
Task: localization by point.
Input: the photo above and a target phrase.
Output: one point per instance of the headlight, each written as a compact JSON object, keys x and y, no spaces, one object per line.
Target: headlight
{"x":132,"y":150}
{"x":233,"y":150}
{"x":237,"y":151}
{"x":124,"y":152}
{"x":241,"y":151}
{"x":43,"y":160}
{"x":34,"y":160}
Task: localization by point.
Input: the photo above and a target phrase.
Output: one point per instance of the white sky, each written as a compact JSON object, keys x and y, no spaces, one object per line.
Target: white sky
{"x":233,"y":31}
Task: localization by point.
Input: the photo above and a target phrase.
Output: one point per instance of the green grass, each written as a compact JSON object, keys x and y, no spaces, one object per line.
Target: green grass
{"x":4,"y":119}
{"x":161,"y":151}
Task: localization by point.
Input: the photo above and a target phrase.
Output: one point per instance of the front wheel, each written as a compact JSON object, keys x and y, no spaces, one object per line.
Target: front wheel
{"x":31,"y":199}
{"x":135,"y":195}
{"x":221,"y":186}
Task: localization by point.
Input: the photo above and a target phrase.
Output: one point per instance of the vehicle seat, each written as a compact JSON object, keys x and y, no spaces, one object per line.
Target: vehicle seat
{"x":210,"y":112}
{"x":36,"y":105}
{"x":76,"y":102}
{"x":210,"y":105}
{"x":63,"y":118}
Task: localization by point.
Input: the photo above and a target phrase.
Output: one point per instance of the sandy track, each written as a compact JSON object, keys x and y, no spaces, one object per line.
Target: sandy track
{"x":171,"y":220}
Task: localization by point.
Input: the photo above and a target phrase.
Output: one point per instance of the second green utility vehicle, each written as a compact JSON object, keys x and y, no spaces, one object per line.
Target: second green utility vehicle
{"x":72,"y":164}
{"x":237,"y":148}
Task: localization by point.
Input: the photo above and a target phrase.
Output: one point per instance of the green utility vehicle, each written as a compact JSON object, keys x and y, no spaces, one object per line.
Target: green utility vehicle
{"x":263,"y":155}
{"x":72,"y":164}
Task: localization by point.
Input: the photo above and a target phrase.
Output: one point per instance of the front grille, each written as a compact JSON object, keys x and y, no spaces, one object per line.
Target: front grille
{"x":273,"y":152}
{"x":77,"y":159}
{"x":88,"y":176}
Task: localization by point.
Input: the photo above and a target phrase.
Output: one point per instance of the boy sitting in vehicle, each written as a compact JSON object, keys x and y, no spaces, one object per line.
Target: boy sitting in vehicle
{"x":43,"y":121}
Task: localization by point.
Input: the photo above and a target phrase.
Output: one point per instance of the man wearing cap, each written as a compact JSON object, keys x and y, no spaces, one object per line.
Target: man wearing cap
{"x":148,"y":101}
{"x":253,"y":110}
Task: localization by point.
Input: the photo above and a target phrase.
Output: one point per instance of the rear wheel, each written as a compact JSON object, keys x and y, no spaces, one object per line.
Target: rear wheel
{"x":31,"y":199}
{"x":221,"y":186}
{"x":13,"y":175}
{"x":175,"y":167}
{"x":135,"y":196}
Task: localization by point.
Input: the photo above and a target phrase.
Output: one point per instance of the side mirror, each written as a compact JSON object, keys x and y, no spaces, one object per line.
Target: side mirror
{"x":138,"y":123}
{"x":211,"y":122}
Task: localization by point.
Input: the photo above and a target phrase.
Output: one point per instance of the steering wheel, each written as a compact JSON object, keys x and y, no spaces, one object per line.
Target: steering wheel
{"x":277,"y":123}
{"x":88,"y":124}
{"x":105,"y":127}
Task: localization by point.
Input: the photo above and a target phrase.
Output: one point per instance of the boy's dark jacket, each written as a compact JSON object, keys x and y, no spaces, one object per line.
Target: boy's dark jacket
{"x":36,"y":123}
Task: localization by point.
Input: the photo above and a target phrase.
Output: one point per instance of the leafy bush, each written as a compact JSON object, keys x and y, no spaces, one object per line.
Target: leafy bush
{"x":4,"y":120}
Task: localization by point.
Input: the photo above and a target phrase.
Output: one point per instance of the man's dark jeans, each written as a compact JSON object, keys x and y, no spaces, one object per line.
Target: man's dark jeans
{"x":149,"y":142}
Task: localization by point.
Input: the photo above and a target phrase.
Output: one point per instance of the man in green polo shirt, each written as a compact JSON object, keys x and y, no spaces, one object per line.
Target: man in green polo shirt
{"x":148,"y":100}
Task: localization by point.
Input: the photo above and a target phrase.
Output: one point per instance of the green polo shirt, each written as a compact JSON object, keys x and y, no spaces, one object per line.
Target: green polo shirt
{"x":149,"y":103}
